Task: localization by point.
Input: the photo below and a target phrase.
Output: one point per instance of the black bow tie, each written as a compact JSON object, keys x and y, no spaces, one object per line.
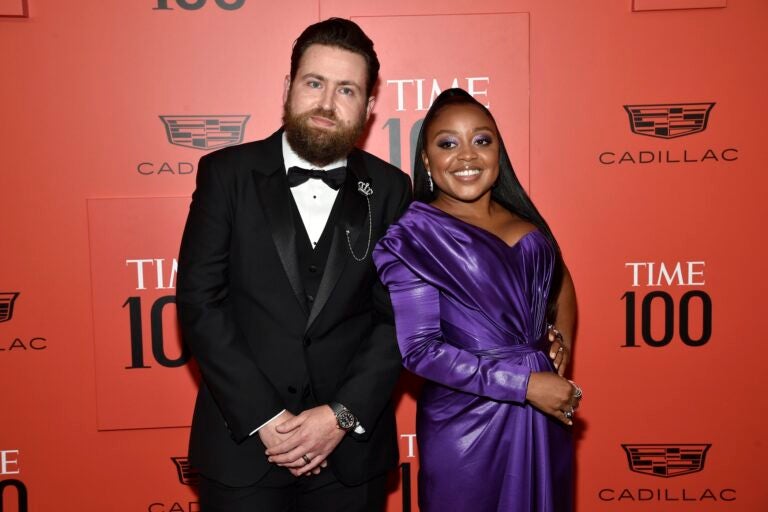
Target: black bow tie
{"x":334,"y":178}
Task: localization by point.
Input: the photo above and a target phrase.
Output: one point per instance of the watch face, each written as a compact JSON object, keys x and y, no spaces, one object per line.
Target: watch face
{"x":346,"y":419}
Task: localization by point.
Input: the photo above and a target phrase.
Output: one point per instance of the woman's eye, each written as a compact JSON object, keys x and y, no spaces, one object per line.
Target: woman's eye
{"x":446,"y":144}
{"x":483,"y":140}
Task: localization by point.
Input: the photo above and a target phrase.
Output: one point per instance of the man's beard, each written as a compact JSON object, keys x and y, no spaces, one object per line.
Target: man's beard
{"x":316,"y":145}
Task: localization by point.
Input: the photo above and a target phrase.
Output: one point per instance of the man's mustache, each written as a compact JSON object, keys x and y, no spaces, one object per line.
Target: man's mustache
{"x":322,"y":112}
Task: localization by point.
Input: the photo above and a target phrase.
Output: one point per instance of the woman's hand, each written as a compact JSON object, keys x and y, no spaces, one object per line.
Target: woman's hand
{"x":559,"y":350}
{"x":553,"y":395}
{"x":562,"y":332}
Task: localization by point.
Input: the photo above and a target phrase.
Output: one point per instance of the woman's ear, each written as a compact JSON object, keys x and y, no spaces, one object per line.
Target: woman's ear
{"x":425,"y":160}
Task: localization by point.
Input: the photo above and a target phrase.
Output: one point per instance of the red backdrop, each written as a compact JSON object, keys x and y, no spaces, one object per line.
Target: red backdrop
{"x":635,"y":125}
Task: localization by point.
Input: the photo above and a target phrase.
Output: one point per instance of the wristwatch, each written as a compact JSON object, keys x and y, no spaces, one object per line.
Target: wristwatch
{"x":345,"y":420}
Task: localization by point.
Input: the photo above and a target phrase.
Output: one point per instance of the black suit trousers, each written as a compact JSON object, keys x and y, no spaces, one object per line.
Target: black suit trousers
{"x":317,"y":493}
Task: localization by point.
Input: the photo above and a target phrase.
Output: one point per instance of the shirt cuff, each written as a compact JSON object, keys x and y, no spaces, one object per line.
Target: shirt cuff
{"x":267,"y":422}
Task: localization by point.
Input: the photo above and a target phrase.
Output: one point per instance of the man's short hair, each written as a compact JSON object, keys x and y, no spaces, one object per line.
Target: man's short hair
{"x":339,"y":33}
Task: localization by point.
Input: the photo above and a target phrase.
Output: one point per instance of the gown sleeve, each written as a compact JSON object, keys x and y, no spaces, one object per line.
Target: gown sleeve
{"x":416,"y":305}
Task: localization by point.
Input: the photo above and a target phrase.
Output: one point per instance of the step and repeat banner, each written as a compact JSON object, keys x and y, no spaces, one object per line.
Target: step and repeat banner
{"x":636,"y":126}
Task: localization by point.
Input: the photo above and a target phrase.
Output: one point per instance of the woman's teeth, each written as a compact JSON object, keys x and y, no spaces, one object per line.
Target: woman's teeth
{"x":467,"y":172}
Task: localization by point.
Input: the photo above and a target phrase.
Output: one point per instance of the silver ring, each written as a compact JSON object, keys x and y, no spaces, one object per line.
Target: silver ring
{"x":568,"y":414}
{"x":306,"y":459}
{"x":577,"y":394}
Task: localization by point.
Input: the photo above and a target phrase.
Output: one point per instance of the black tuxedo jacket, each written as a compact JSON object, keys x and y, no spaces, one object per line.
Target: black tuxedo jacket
{"x":243,"y":313}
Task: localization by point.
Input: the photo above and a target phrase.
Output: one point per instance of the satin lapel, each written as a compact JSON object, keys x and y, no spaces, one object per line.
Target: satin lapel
{"x":351,"y":220}
{"x":274,"y":197}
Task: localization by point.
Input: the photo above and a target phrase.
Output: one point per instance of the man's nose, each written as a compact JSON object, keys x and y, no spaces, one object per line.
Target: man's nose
{"x":328,"y":99}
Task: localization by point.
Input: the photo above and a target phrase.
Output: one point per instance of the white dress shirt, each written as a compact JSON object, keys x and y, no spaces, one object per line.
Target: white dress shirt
{"x":314,"y":198}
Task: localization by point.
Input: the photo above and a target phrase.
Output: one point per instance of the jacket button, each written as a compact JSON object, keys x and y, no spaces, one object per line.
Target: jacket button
{"x":313,"y":268}
{"x":292,"y":390}
{"x":311,"y":298}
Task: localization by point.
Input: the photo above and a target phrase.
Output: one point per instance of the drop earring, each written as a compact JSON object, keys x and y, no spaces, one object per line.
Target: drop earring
{"x":431,"y":185}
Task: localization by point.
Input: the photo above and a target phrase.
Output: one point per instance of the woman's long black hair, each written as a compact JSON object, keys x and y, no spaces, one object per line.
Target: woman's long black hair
{"x":507,"y":191}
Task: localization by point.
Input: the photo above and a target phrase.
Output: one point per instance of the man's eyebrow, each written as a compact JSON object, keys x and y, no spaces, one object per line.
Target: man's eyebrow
{"x":314,"y":75}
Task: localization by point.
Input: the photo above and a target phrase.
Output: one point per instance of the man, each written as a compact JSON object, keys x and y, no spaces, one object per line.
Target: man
{"x":280,"y":304}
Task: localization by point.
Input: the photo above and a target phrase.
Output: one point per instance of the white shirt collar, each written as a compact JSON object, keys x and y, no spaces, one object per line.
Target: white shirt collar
{"x":291,"y":159}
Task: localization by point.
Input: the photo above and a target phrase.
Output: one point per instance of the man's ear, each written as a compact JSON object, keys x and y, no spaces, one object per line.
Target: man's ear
{"x":369,"y":107}
{"x":286,"y":88}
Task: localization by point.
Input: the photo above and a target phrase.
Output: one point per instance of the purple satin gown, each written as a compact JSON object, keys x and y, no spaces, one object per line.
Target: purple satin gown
{"x":470,"y":316}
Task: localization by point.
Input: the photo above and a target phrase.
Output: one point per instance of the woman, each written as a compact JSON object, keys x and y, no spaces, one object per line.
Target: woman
{"x":474,"y":274}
